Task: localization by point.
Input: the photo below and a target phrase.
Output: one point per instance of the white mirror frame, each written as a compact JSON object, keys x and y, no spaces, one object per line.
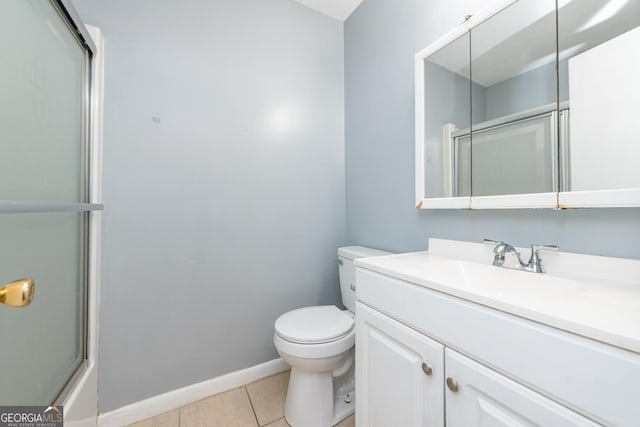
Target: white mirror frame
{"x":554,"y":200}
{"x":420,"y":109}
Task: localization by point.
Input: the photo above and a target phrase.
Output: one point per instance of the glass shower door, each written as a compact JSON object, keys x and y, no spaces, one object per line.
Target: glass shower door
{"x":44,"y":209}
{"x":42,"y":343}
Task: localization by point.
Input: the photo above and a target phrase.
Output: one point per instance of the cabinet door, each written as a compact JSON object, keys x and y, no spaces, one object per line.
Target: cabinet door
{"x":479,"y":396}
{"x":399,"y":374}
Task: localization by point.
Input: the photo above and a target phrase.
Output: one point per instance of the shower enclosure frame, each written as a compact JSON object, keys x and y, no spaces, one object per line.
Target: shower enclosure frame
{"x":79,"y":394}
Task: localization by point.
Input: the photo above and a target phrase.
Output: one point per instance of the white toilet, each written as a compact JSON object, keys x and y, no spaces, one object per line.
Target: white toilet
{"x":318,"y":343}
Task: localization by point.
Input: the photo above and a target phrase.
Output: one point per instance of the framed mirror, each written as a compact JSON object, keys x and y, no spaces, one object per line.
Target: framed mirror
{"x":446,"y":88}
{"x":546,"y":127}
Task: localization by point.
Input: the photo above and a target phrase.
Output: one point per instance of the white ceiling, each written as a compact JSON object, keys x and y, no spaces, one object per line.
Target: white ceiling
{"x":498,"y":51}
{"x":338,"y":9}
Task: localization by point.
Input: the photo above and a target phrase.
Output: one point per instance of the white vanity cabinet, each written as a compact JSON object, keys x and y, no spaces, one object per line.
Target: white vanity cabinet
{"x":402,"y":380}
{"x":506,"y":370}
{"x":399,"y":373}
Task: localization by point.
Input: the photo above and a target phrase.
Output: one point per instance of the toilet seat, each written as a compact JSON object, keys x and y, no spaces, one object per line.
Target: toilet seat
{"x":314,"y":332}
{"x":316,"y":350}
{"x":314,"y":325}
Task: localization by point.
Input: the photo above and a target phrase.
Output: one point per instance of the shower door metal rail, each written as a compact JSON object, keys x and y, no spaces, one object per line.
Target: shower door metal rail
{"x":13,"y":206}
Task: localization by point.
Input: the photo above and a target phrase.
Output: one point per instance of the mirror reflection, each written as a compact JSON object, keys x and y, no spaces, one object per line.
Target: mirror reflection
{"x":599,"y":51}
{"x":513,"y":133}
{"x":447,"y":109}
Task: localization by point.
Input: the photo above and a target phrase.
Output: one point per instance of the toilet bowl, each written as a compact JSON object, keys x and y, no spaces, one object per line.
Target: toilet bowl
{"x":318,"y":343}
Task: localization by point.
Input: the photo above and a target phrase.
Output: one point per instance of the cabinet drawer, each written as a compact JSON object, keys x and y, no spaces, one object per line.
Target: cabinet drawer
{"x":484,"y":397}
{"x":592,"y":378}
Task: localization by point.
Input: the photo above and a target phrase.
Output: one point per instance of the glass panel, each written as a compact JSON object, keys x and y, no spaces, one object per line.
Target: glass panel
{"x":42,"y":125}
{"x":599,"y":77}
{"x":447,"y":109}
{"x":524,"y":151}
{"x":41,"y":105}
{"x":513,"y":66}
{"x":42,"y":344}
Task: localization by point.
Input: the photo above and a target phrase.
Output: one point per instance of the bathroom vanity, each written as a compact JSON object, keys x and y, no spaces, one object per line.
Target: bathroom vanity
{"x":445,"y":338}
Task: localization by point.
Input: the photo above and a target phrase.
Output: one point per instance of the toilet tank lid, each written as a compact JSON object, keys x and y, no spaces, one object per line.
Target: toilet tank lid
{"x":353,"y":252}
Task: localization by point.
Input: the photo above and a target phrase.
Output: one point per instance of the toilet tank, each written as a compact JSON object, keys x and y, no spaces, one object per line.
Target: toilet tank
{"x":347,"y":271}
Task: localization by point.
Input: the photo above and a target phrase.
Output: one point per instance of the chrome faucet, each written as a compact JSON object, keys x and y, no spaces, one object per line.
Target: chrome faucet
{"x":502,"y":250}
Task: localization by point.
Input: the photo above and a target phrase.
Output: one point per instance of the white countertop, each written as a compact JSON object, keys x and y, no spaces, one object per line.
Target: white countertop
{"x":593,"y":296}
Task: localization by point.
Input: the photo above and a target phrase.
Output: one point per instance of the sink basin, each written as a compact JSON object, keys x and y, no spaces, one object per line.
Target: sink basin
{"x":466,"y":274}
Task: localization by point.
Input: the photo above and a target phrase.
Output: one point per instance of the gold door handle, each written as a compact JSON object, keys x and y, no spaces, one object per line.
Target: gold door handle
{"x":18,"y":293}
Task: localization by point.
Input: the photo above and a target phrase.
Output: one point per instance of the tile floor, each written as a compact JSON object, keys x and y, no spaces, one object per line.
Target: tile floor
{"x":255,"y":405}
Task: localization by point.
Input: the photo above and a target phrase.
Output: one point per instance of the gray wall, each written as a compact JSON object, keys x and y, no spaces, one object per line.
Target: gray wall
{"x":381,"y":39}
{"x":442,"y":108}
{"x":532,"y":89}
{"x":228,"y":212}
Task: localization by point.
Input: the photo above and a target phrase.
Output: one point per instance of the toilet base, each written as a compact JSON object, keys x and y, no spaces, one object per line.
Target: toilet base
{"x":310,"y":400}
{"x":343,"y":409}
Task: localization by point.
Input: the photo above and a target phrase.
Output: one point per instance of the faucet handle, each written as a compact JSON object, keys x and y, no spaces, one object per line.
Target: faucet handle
{"x":492,"y":242}
{"x":499,"y":251}
{"x":536,"y":248}
{"x":499,"y":248}
{"x":535,"y":262}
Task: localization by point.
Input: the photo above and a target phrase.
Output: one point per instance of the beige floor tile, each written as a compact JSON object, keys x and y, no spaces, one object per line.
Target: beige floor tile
{"x":229,"y":409}
{"x":267,"y":397}
{"x":168,"y":419}
{"x":280,"y":423}
{"x":348,"y":422}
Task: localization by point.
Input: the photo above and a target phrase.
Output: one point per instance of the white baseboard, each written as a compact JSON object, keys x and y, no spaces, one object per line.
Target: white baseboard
{"x":174,"y":399}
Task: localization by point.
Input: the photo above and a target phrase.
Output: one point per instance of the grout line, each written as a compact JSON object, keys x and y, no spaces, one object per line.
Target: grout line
{"x":251,"y":403}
